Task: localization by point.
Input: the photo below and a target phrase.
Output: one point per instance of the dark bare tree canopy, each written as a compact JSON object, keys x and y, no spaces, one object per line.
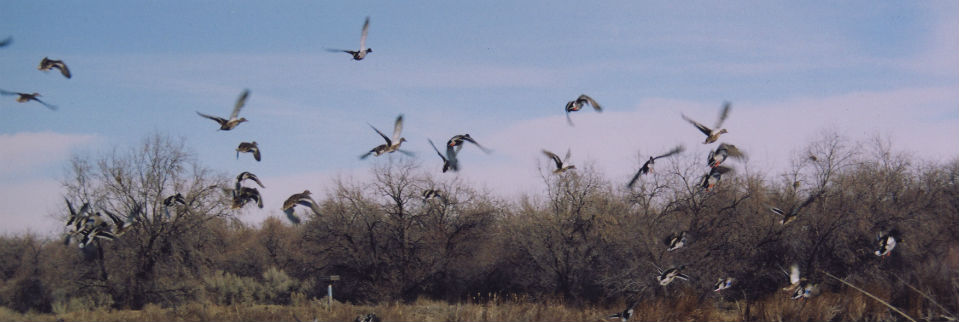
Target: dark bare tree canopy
{"x":409,"y":233}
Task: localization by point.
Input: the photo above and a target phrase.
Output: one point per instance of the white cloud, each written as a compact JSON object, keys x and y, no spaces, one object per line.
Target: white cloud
{"x":30,"y":206}
{"x":28,"y":151}
{"x":918,"y":120}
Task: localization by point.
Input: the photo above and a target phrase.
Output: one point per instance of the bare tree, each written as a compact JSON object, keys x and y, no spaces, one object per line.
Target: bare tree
{"x":390,"y":241}
{"x":153,"y":260}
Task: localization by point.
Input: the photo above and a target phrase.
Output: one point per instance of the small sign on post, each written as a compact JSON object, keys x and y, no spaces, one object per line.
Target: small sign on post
{"x":329,"y":291}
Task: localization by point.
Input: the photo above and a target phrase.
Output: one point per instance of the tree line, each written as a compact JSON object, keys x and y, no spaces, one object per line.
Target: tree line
{"x":585,"y":239}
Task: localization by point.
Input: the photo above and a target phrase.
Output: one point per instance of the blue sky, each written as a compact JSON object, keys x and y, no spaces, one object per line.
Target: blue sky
{"x":499,"y":70}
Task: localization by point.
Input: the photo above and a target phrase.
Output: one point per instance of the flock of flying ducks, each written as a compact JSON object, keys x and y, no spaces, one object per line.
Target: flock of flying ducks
{"x":799,"y":287}
{"x":86,"y":225}
{"x":46,"y":64}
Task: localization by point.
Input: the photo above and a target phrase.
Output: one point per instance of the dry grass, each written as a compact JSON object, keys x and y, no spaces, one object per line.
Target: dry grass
{"x":847,"y":306}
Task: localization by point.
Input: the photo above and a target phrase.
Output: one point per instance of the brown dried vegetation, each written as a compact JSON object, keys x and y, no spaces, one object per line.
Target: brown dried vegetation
{"x":581,"y":250}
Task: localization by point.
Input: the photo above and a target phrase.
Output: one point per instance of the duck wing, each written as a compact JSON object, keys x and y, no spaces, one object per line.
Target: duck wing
{"x":452,"y":162}
{"x":215,"y":118}
{"x":642,"y":170}
{"x":589,"y":100}
{"x":63,"y":69}
{"x":388,"y":141}
{"x":794,"y":274}
{"x":366,"y":155}
{"x":677,"y":149}
{"x":48,"y":64}
{"x":438,"y":151}
{"x":731,"y":150}
{"x":48,"y":105}
{"x":701,"y":127}
{"x":291,"y":201}
{"x":116,"y":219}
{"x":366,"y":30}
{"x":471,"y":140}
{"x":247,"y":175}
{"x":723,"y":114}
{"x":309,"y":202}
{"x":722,"y":169}
{"x":397,"y":128}
{"x":256,"y":196}
{"x":240,"y":102}
{"x":777,"y":211}
{"x":74,"y":216}
{"x":291,"y":216}
{"x":556,"y":159}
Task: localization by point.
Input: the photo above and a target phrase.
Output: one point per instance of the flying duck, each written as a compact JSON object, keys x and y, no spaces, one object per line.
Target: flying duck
{"x":675,"y":241}
{"x":799,"y":286}
{"x":667,"y":276}
{"x":434,"y":193}
{"x":249,"y":147}
{"x":299,"y":199}
{"x":578,"y":103}
{"x":88,"y":237}
{"x":172,"y":201}
{"x":48,"y":64}
{"x":648,"y":166}
{"x":794,"y":212}
{"x":449,"y":160}
{"x":722,"y":152}
{"x":93,"y":223}
{"x":77,"y":217}
{"x":711,"y":134}
{"x":25,"y":97}
{"x":245,"y":194}
{"x":886,"y":242}
{"x":457,"y":141}
{"x":723,"y":283}
{"x":358,"y":54}
{"x":625,"y":314}
{"x":121,"y":225}
{"x":710,"y":179}
{"x":246,"y":175}
{"x":559,"y":163}
{"x":6,"y":42}
{"x":392,"y":145}
{"x":233,"y":121}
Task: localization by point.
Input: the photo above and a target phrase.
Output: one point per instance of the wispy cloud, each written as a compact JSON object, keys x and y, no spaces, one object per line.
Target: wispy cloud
{"x":31,"y":206}
{"x":918,"y":120}
{"x":28,"y":151}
